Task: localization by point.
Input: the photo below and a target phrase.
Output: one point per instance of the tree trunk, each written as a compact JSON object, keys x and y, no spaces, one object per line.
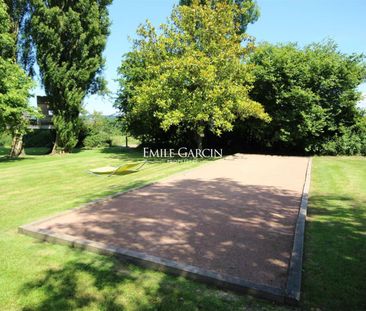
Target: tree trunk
{"x":17,"y":148}
{"x":55,"y":146}
{"x":198,"y":139}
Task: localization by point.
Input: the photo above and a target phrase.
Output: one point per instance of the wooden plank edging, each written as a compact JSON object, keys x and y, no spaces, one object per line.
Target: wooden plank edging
{"x":293,"y":286}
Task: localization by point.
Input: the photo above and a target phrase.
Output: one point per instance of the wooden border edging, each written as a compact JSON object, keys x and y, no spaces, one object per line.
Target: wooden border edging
{"x":293,"y":286}
{"x":157,"y":263}
{"x":288,"y":295}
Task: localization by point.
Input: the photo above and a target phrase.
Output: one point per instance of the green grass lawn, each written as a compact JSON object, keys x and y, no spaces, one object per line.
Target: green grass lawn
{"x":120,"y":140}
{"x":43,"y":276}
{"x":335,"y":245}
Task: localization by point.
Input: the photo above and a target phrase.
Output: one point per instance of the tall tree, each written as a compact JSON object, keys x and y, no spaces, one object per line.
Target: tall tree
{"x":17,"y":11}
{"x":192,"y":75}
{"x":69,"y":38}
{"x":311,"y":94}
{"x":249,"y":15}
{"x":14,"y":86}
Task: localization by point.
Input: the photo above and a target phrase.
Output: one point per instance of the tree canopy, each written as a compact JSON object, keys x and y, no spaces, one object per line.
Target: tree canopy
{"x":17,"y":11}
{"x":15,"y":86}
{"x":190,"y":76}
{"x":69,"y":38}
{"x":249,"y":15}
{"x":310,"y":93}
{"x":7,"y":42}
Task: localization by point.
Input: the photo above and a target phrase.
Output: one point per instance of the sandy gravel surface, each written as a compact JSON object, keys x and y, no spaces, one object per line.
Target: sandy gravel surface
{"x":235,"y":216}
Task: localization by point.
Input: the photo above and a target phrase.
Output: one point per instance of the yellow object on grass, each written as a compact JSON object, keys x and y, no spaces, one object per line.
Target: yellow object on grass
{"x":117,"y":170}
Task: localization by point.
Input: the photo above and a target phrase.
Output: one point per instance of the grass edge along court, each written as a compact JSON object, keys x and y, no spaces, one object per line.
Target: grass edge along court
{"x":39,"y":276}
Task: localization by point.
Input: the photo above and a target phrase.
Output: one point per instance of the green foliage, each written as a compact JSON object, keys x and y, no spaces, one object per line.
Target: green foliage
{"x":190,"y":77}
{"x":311,"y":95}
{"x":69,"y":38}
{"x":14,"y":94}
{"x":349,"y":141}
{"x":67,"y":127}
{"x":248,"y":16}
{"x":100,"y":131}
{"x":14,"y":83}
{"x":96,"y":140}
{"x":7,"y":42}
{"x":17,"y":11}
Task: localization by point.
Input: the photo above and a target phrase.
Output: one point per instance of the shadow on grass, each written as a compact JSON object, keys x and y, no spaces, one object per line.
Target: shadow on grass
{"x":37,"y":151}
{"x":107,"y":283}
{"x":4,"y":154}
{"x":335,"y":254}
{"x":7,"y":159}
{"x":63,"y":288}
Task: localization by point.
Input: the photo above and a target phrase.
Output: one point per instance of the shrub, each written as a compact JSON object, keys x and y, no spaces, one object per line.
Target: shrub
{"x":99,"y":131}
{"x":97,"y":140}
{"x":351,"y":141}
{"x":347,"y":144}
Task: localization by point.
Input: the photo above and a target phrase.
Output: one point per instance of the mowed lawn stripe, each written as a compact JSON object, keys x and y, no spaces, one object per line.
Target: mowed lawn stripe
{"x":335,"y":245}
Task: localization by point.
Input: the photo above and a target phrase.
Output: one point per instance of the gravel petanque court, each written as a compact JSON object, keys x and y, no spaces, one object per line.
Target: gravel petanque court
{"x":235,"y":217}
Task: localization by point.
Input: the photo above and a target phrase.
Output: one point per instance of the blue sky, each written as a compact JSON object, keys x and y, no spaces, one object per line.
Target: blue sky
{"x":302,"y":21}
